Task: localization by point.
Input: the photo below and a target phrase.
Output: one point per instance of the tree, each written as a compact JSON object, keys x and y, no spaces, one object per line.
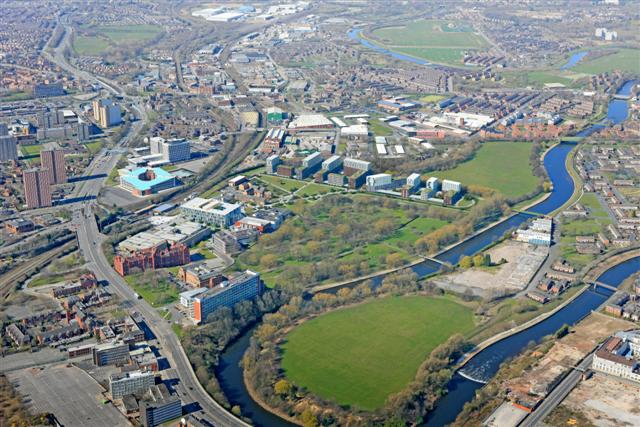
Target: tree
{"x":269,"y":261}
{"x":308,"y":419}
{"x":394,"y":260}
{"x":478,"y":260}
{"x":487,"y":260}
{"x":466,"y":262}
{"x":282,"y":388}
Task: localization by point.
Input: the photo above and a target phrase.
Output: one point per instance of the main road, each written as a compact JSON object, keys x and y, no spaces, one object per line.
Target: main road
{"x":90,"y":243}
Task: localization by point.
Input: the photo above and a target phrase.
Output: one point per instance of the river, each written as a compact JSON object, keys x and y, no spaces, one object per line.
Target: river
{"x":485,"y":364}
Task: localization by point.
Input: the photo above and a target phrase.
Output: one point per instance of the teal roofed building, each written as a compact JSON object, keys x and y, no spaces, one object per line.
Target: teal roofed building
{"x":146,"y":181}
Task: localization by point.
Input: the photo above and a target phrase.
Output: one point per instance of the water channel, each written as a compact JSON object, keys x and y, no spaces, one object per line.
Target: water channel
{"x":484,"y":365}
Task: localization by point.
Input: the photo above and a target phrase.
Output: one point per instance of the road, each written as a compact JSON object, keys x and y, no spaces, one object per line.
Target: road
{"x":90,"y":242}
{"x":557,"y":395}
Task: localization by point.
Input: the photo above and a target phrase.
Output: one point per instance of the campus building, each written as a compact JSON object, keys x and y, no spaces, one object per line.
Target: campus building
{"x":620,"y":356}
{"x":153,"y":258}
{"x":37,"y":188}
{"x":200,"y":275}
{"x":146,"y":181}
{"x":273,"y":140}
{"x":212,"y":211}
{"x":53,"y":162}
{"x":242,"y":286}
{"x":379,"y":182}
{"x":136,"y":382}
{"x":272,"y":164}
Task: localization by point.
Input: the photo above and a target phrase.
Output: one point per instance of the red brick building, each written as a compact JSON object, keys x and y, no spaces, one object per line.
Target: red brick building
{"x":152,"y":258}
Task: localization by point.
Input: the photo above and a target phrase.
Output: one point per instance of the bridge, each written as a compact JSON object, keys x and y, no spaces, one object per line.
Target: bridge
{"x":604,"y":285}
{"x":622,"y":97}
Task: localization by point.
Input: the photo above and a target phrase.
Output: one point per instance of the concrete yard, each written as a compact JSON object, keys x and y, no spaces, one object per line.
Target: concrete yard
{"x":68,"y":393}
{"x":506,"y":415}
{"x":606,"y":401}
{"x":523,"y":260}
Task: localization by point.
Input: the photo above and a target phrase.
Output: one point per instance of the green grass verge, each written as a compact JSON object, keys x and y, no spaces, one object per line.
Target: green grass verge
{"x":358,"y":356}
{"x":626,"y":60}
{"x":162,"y":293}
{"x":502,"y":166}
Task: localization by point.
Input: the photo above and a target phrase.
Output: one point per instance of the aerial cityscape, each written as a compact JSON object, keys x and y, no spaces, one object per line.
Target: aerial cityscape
{"x":320,"y":213}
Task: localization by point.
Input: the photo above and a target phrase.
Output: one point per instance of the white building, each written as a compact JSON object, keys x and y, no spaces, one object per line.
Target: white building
{"x":212,"y":211}
{"x":355,"y":130}
{"x":448,"y":185}
{"x":414,"y":180}
{"x":620,"y":356}
{"x":357,"y":164}
{"x":312,"y":160}
{"x":433,"y":184}
{"x":332,"y":163}
{"x":379,"y":181}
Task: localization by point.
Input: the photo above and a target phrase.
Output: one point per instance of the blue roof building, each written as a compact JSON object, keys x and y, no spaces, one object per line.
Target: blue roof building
{"x":146,"y":181}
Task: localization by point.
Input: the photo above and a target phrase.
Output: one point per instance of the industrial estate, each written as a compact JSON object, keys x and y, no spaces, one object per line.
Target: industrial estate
{"x":320,"y":213}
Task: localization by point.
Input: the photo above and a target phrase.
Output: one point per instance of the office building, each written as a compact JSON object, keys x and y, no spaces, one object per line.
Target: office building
{"x":212,"y":211}
{"x":533,"y":237}
{"x":110,"y":353}
{"x":620,"y":356}
{"x":46,"y":90}
{"x":8,"y":148}
{"x":336,"y":179}
{"x":448,"y":185}
{"x":242,"y":286}
{"x":273,"y":140}
{"x":233,"y":241}
{"x":158,"y":406}
{"x":272,"y":164}
{"x":146,"y":181}
{"x":312,"y":160}
{"x":53,"y":162}
{"x":135,"y":382}
{"x":37,"y":189}
{"x":106,"y":113}
{"x":187,"y":299}
{"x":171,"y":151}
{"x":379,"y":181}
{"x":153,"y":258}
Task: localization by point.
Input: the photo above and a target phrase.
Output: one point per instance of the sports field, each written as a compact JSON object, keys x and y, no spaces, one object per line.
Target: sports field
{"x":434,"y":40}
{"x":358,"y":356}
{"x":620,"y":60}
{"x":500,"y":165}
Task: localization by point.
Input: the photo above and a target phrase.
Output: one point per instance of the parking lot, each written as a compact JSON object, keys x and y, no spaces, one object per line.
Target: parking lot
{"x":68,"y":393}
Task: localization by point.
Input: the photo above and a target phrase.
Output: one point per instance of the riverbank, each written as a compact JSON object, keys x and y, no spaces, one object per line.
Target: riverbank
{"x":256,"y":398}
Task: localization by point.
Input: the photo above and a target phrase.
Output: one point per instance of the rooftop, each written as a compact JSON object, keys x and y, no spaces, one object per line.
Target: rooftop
{"x":143,"y":181}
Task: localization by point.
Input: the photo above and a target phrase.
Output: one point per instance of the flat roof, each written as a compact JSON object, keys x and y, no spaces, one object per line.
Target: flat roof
{"x":133,"y":178}
{"x":210,"y":205}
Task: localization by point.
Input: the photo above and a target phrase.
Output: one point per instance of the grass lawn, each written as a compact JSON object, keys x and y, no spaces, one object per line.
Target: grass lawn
{"x":313,"y":189}
{"x":416,"y":229}
{"x":431,"y":99}
{"x":360,"y":355}
{"x":627,"y":60}
{"x":502,"y":166}
{"x":434,"y":40}
{"x":31,"y":150}
{"x":94,"y":147}
{"x":379,"y":129}
{"x":162,"y":294}
{"x":286,"y":184}
{"x":89,"y":45}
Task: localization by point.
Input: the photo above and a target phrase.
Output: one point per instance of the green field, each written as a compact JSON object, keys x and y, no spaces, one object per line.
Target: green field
{"x":156,"y":291}
{"x":434,"y":40}
{"x":284,"y":184}
{"x":313,"y":189}
{"x":97,"y":40}
{"x":359,"y":356}
{"x":379,"y":129}
{"x":619,"y":60}
{"x":502,"y":166}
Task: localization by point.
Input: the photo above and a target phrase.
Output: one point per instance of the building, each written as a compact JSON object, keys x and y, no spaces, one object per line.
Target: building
{"x":377,"y":182}
{"x":42,"y":90}
{"x":620,"y":356}
{"x":171,"y":151}
{"x":212,"y":211}
{"x":37,"y":188}
{"x":533,"y":237}
{"x":53,"y":162}
{"x":234,"y":241}
{"x":106,"y":113}
{"x":336,"y":179}
{"x":146,"y":181}
{"x":242,"y":286}
{"x":135,"y":382}
{"x":310,"y":121}
{"x":178,"y":230}
{"x":272,"y":164}
{"x":414,"y":181}
{"x":273,"y":140}
{"x":187,"y":299}
{"x":86,"y":281}
{"x":19,"y":226}
{"x":8,"y":148}
{"x":158,"y":406}
{"x":153,"y":258}
{"x":448,"y":185}
{"x":110,"y":353}
{"x":351,"y":166}
{"x":332,"y":163}
{"x":200,"y":275}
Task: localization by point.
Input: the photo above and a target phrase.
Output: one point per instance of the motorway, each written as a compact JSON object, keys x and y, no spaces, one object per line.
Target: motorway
{"x":558,"y":394}
{"x":90,"y":243}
